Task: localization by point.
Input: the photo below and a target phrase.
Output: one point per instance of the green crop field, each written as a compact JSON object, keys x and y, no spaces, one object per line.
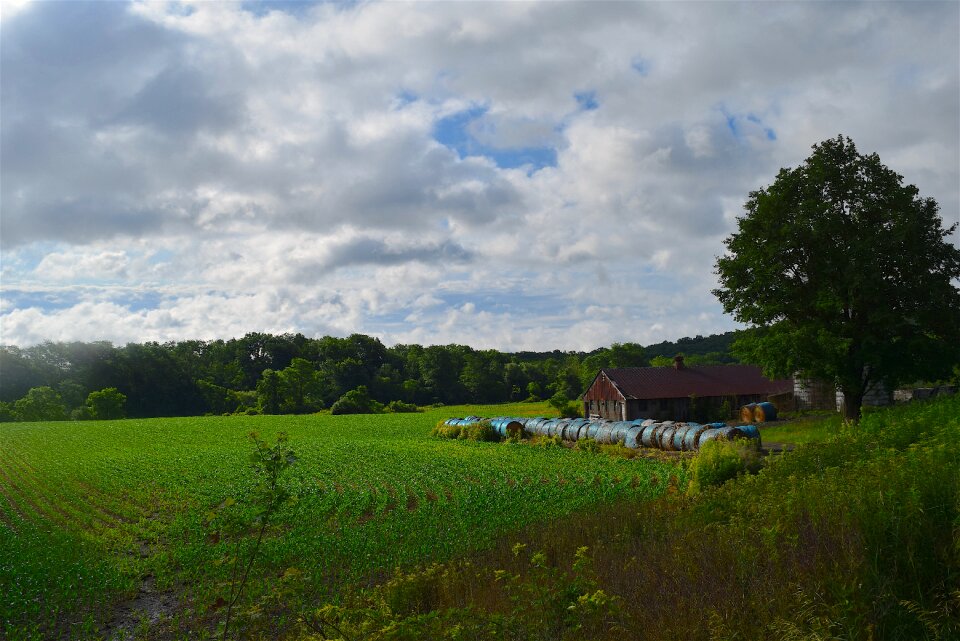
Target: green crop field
{"x":93,"y":514}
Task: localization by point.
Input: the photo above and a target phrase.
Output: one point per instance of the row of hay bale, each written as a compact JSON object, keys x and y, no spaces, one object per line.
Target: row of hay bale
{"x":665,"y":435}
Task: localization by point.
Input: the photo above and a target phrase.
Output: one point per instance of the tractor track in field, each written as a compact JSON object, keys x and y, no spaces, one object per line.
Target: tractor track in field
{"x":149,"y":606}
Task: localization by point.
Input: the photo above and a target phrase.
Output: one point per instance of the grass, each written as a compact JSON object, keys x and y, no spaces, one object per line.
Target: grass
{"x":801,"y":431}
{"x":852,"y":538}
{"x":91,"y":511}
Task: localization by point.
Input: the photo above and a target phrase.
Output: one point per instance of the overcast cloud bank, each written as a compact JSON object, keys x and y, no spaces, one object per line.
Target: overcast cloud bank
{"x":508,"y":175}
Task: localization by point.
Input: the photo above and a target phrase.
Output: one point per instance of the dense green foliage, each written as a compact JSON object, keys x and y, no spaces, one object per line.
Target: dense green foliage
{"x":292,"y":374}
{"x":88,"y":510}
{"x":850,"y":273}
{"x":857,"y":538}
{"x":106,"y":404}
{"x":40,"y":404}
{"x":357,"y":401}
{"x":719,"y":461}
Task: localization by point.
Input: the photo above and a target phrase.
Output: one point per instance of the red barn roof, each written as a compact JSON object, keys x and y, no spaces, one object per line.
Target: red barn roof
{"x":673,"y":382}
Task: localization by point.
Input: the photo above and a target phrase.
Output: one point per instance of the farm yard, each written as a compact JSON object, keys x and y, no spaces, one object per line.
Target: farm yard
{"x":106,"y":527}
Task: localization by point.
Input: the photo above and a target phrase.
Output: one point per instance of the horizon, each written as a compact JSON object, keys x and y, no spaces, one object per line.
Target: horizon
{"x":388,"y":346}
{"x":544,"y":174}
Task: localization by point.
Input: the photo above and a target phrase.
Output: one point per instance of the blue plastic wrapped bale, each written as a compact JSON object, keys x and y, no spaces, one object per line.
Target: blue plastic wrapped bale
{"x":692,"y":437}
{"x":603,"y":434}
{"x":646,"y":435}
{"x":750,"y":431}
{"x":570,"y":430}
{"x":582,"y":429}
{"x":592,"y":429}
{"x":729,"y":433}
{"x":764,"y":412}
{"x":451,"y":421}
{"x":677,"y":444}
{"x":618,"y":431}
{"x":632,"y":438}
{"x":655,"y":436}
{"x":549,"y":426}
{"x":507,"y":427}
{"x":666,"y":437}
{"x":709,"y":435}
{"x":716,"y":424}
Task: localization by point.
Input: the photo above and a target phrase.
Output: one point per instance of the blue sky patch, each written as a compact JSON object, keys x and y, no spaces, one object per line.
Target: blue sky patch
{"x":640,"y":65}
{"x":45,"y":301}
{"x":140,"y":301}
{"x":587,"y":100}
{"x":734,"y":124}
{"x":405,"y":97}
{"x":297,"y":8}
{"x":161,"y":256}
{"x":453,"y":132}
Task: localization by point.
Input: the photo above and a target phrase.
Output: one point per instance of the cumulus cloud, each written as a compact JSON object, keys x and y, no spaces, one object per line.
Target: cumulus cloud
{"x":543,"y":175}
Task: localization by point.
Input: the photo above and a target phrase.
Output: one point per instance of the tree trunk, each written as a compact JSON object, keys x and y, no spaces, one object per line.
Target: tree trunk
{"x":851,"y":405}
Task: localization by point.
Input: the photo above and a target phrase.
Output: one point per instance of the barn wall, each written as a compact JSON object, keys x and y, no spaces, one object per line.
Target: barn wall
{"x":604,"y":400}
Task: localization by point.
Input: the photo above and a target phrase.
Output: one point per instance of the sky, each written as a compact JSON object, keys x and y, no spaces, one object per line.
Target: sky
{"x":508,"y":175}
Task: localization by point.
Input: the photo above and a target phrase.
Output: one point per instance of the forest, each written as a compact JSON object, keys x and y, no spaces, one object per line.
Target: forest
{"x":293,"y":374}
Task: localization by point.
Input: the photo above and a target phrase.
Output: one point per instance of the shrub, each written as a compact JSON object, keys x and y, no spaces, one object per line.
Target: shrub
{"x":588,"y":445}
{"x":548,"y":442}
{"x":719,"y":461}
{"x":442,"y":430}
{"x":357,"y":401}
{"x":401,"y":407}
{"x":482,"y":431}
{"x":564,"y":406}
{"x":514,"y":437}
{"x":618,"y":449}
{"x":570,"y":411}
{"x":6,"y":412}
{"x":107,"y":404}
{"x":40,"y":404}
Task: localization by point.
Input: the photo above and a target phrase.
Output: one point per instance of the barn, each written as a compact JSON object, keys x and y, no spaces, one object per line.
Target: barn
{"x":678,"y":393}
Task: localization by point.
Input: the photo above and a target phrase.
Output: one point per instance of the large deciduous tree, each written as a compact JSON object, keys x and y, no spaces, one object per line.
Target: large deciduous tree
{"x":849,"y":273}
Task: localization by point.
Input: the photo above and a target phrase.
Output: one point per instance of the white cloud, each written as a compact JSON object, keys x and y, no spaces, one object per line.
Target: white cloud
{"x":194,"y":170}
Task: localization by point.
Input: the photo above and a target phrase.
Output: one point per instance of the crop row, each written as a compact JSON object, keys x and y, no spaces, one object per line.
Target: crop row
{"x":87,"y":509}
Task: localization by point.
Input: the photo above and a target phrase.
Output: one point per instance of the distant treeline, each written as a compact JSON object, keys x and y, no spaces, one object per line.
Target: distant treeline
{"x":291,"y":373}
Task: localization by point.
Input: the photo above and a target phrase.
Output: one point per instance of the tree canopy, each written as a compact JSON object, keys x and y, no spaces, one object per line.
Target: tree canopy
{"x":291,"y":373}
{"x":107,"y":404}
{"x":849,"y":273}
